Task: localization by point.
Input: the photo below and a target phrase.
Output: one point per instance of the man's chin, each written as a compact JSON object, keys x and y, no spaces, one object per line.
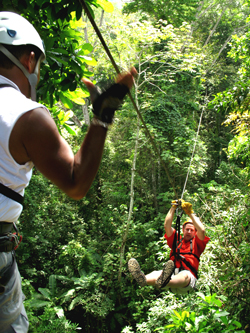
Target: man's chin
{"x":187,"y":238}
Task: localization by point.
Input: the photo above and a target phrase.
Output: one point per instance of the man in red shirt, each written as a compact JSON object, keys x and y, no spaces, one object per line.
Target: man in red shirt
{"x":184,"y":262}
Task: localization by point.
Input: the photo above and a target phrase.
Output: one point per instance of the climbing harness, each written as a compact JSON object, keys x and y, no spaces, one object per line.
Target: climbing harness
{"x":9,"y":240}
{"x":177,"y":244}
{"x":180,"y":256}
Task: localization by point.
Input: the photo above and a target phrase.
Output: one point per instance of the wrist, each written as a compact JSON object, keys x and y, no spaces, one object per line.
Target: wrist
{"x":97,"y":122}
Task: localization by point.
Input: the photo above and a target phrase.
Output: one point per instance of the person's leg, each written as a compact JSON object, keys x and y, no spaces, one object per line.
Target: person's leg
{"x":13,"y":318}
{"x":182,"y":283}
{"x":152,"y":277}
{"x":20,"y":325}
{"x":181,"y":280}
{"x":155,"y":278}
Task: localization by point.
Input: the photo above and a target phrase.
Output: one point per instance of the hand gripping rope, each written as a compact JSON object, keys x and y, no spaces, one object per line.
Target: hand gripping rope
{"x":177,"y":227}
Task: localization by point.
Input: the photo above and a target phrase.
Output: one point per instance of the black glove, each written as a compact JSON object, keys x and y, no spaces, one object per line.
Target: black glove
{"x":109,"y":101}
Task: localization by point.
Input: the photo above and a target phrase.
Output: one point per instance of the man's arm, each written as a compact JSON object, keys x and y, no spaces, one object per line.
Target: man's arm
{"x":187,"y":207}
{"x":168,"y":221}
{"x":35,"y":138}
{"x":42,"y":144}
{"x":198,"y":226}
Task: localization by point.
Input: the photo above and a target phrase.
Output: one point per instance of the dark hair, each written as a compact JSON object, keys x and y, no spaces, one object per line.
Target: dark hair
{"x":18,"y":51}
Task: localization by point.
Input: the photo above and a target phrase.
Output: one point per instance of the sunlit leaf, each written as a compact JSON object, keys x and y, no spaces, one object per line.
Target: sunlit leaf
{"x":106,"y":5}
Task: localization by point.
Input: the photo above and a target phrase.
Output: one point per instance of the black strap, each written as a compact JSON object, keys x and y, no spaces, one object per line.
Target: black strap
{"x":176,"y":249}
{"x":4,"y":85}
{"x":192,"y":269}
{"x":5,"y":227}
{"x":9,"y":193}
{"x":193,"y":254}
{"x":7,"y":246}
{"x":177,"y":234}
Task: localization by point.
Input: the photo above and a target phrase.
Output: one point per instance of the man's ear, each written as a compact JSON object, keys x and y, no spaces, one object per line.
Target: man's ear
{"x":29,"y":61}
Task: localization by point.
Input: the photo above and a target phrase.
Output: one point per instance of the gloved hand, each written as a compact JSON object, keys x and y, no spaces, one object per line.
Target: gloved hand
{"x":187,"y":207}
{"x":107,"y":102}
{"x":176,"y":203}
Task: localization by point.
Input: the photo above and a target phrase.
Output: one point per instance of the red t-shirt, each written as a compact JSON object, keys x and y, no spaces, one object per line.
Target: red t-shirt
{"x":198,"y":248}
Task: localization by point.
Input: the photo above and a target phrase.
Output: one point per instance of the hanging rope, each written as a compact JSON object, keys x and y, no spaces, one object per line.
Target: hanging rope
{"x":92,"y":21}
{"x":191,"y":160}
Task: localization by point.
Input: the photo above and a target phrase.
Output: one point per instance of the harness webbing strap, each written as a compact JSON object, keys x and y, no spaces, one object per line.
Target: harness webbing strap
{"x":177,"y":244}
{"x":191,"y":250}
{"x":4,"y":85}
{"x":192,"y":269}
{"x":9,"y":193}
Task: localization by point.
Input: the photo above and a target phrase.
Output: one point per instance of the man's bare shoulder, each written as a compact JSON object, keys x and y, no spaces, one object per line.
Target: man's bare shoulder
{"x":29,"y":131}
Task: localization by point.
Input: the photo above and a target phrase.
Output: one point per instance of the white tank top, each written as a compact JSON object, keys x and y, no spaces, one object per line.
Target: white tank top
{"x":13,"y":104}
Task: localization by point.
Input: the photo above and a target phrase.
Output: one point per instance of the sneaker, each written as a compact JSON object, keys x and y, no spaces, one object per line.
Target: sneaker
{"x":136,"y":272}
{"x":166,"y":274}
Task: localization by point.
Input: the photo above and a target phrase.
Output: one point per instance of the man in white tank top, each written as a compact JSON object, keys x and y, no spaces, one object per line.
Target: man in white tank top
{"x":29,"y":136}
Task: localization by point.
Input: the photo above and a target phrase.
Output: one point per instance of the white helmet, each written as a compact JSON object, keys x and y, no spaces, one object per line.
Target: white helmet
{"x":16,"y":30}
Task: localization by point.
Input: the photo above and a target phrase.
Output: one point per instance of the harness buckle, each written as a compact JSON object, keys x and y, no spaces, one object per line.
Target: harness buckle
{"x":9,"y":240}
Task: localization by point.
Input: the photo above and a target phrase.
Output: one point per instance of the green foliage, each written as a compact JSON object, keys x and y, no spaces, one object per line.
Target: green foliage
{"x":70,"y":254}
{"x":175,"y":12}
{"x":208,"y":318}
{"x":68,"y":56}
{"x":49,"y":323}
{"x":235,"y":101}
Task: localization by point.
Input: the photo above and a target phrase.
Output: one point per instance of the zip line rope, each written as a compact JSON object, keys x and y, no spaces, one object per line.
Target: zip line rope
{"x":191,"y":160}
{"x":92,"y":21}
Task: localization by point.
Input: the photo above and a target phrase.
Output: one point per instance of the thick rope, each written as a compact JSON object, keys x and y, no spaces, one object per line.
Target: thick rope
{"x":92,"y":21}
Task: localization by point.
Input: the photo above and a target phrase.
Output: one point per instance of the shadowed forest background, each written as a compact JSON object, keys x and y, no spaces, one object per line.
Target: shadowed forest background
{"x":191,"y":57}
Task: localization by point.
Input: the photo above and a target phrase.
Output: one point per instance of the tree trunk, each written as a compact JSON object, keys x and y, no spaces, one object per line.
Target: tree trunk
{"x":154,"y":186}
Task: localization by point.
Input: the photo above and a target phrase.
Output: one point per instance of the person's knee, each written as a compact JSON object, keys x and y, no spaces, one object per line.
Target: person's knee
{"x":186,"y":279}
{"x":152,"y":277}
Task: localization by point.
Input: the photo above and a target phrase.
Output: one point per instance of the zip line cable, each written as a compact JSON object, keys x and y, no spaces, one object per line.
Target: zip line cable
{"x":92,"y":21}
{"x":191,"y":160}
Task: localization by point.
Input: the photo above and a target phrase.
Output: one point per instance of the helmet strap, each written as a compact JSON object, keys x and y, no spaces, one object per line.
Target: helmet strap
{"x":32,"y":78}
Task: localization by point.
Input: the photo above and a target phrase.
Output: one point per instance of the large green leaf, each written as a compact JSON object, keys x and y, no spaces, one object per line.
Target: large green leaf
{"x":45,"y":292}
{"x":78,"y":96}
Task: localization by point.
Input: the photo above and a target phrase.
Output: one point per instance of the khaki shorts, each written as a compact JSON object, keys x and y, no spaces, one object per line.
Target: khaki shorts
{"x":186,"y":289}
{"x":13,"y":318}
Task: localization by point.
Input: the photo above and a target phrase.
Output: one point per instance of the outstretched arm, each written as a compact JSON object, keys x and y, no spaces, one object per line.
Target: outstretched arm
{"x":168,"y":221}
{"x":35,"y":138}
